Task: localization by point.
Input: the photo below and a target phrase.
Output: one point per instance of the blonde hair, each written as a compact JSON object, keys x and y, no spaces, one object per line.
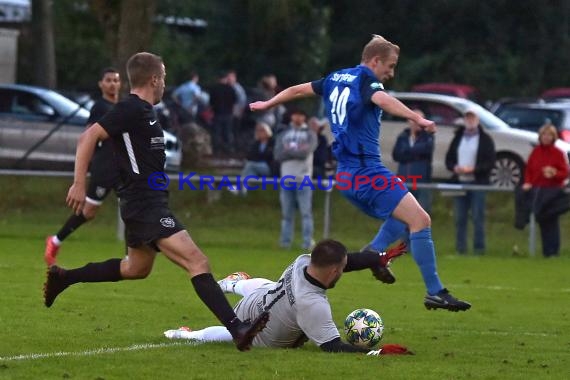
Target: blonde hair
{"x":378,"y":47}
{"x":141,"y":67}
{"x":548,"y":128}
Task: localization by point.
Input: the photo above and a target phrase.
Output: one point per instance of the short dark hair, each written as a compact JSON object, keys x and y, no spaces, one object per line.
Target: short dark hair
{"x":378,"y":47}
{"x":141,"y":67}
{"x":108,"y":70}
{"x":328,"y":252}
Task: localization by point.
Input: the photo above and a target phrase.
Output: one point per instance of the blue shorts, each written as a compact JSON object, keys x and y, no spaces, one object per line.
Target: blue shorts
{"x":374,"y":190}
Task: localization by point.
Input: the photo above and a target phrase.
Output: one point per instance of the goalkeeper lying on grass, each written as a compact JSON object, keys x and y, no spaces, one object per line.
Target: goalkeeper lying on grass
{"x":299,"y":308}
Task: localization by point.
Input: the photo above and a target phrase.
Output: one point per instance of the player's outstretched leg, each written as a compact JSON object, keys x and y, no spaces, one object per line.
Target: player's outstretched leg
{"x":444,"y":300}
{"x":245,"y":331}
{"x":54,"y":285}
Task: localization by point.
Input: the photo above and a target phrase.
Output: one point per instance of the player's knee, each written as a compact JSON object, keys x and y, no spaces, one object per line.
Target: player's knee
{"x":197,"y":263}
{"x":139,"y":273}
{"x":89,"y":211}
{"x":420,"y":221}
{"x":89,"y":214}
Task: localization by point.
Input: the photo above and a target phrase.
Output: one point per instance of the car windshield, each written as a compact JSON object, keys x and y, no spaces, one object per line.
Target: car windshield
{"x":65,"y":106}
{"x":530,"y":118}
{"x":487,"y":119}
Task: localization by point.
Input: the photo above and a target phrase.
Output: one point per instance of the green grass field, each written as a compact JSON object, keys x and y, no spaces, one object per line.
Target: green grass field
{"x":517,"y":328}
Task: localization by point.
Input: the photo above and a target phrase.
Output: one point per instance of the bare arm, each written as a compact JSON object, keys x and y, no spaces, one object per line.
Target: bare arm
{"x":294,"y":92}
{"x":395,"y":107}
{"x":85,"y":149}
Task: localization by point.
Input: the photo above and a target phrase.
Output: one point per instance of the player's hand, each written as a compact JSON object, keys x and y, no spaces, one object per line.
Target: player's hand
{"x":258,"y":106}
{"x":76,"y":197}
{"x":428,"y":125}
{"x":392,"y":253}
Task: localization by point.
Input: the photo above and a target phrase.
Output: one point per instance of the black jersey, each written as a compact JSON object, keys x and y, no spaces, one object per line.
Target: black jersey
{"x":103,"y":168}
{"x":138,"y":140}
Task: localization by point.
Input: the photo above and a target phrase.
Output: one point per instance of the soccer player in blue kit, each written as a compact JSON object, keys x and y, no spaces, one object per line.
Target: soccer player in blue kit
{"x":354,"y":101}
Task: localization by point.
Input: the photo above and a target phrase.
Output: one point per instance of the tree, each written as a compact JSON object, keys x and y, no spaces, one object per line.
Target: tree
{"x":42,"y":31}
{"x":128,"y":28}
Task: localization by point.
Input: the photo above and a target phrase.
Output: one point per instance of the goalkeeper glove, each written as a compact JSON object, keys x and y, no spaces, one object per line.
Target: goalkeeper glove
{"x":390,"y":349}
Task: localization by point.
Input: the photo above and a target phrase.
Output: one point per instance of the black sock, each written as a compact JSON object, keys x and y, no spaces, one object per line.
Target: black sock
{"x":73,"y":223}
{"x":213,"y":297}
{"x":107,"y":271}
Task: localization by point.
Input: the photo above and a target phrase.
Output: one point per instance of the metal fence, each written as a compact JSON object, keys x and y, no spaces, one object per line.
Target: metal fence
{"x":446,"y":189}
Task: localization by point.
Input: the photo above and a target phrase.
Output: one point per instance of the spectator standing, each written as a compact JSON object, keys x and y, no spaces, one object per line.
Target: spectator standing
{"x":189,"y":96}
{"x":267,"y":88}
{"x":414,"y":151}
{"x":322,"y":153}
{"x":470,"y":157}
{"x":294,"y":149}
{"x":546,"y":174}
{"x":223,"y":98}
{"x":241,"y":97}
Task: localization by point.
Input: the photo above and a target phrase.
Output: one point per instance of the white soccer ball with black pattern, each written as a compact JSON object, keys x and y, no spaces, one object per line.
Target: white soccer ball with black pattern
{"x":363,"y":328}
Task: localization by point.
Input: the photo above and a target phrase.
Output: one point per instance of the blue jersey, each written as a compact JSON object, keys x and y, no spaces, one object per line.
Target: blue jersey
{"x":354,"y":119}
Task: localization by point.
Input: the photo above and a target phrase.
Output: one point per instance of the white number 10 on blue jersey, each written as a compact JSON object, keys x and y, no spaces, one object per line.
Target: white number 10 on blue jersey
{"x":338,"y":102}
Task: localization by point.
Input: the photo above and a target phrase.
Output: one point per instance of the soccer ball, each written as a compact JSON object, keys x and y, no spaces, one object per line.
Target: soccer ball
{"x":363,"y":328}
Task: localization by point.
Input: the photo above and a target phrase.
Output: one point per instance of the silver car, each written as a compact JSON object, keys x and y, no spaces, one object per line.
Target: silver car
{"x":513,"y":146}
{"x":28,"y":114}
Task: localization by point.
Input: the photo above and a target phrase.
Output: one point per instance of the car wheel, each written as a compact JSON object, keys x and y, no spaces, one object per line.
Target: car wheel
{"x":507,"y":172}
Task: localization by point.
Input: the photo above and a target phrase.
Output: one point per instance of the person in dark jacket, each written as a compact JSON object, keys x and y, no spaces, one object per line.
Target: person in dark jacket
{"x":323,"y":152}
{"x":546,"y":174}
{"x":414,"y":151}
{"x":259,"y":159}
{"x":470,"y":157}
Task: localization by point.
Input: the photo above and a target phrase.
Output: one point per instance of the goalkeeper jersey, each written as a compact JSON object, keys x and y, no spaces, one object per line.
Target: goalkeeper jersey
{"x":298,"y":308}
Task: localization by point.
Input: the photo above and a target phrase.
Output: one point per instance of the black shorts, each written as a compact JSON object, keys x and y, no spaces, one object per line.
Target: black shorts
{"x":149,"y":225}
{"x":99,"y":189}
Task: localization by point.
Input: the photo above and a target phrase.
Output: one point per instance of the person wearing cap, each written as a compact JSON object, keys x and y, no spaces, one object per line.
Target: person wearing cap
{"x":470,"y":157}
{"x":322,"y":154}
{"x":294,"y":149}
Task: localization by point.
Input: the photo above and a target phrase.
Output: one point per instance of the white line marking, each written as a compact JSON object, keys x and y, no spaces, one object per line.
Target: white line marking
{"x":98,"y":351}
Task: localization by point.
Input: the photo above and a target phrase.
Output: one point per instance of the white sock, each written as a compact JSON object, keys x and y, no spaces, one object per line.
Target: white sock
{"x":209,"y":334}
{"x":55,"y":240}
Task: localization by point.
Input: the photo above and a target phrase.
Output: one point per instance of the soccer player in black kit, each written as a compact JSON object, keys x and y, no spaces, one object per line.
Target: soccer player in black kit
{"x":138,"y":141}
{"x":104,"y":172}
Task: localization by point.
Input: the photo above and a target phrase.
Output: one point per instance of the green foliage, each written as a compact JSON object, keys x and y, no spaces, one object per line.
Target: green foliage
{"x":505,"y":48}
{"x":516,"y":329}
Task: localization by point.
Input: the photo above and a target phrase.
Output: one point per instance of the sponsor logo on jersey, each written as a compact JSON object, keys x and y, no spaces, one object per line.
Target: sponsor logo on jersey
{"x":336,"y":77}
{"x":376,"y":86}
{"x":167,"y":222}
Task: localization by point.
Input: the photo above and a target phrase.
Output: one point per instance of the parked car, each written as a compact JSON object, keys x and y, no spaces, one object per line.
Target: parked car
{"x":513,"y":146}
{"x":531,"y":116}
{"x":451,"y":89}
{"x":556,"y":93}
{"x":28,"y":114}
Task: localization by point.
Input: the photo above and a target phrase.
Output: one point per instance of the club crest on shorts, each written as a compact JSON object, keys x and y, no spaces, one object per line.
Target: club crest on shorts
{"x":167,"y":222}
{"x":100,"y":191}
